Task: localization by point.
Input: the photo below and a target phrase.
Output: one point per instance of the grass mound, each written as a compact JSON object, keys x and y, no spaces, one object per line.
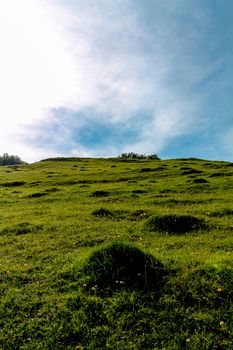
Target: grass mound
{"x":122,"y":266}
{"x":103,"y":212}
{"x":176,"y":224}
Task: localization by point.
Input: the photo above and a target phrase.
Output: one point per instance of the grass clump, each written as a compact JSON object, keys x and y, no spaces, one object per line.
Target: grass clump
{"x":175,"y":224}
{"x":103,"y":212}
{"x":120,"y":266}
{"x":111,"y":214}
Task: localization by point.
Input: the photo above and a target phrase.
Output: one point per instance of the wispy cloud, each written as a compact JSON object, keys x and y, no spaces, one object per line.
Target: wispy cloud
{"x":124,"y":68}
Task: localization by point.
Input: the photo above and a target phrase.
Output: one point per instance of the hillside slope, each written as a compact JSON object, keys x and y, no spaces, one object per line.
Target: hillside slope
{"x":116,"y":254}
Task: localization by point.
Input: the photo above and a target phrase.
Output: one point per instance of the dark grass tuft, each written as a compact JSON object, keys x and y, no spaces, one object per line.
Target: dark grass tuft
{"x":138,"y":215}
{"x":114,"y":215}
{"x":138,"y":191}
{"x":89,"y":242}
{"x":122,"y":266}
{"x":13,"y":184}
{"x":37,"y":195}
{"x":100,"y":194}
{"x":218,"y":174}
{"x":103,"y":212}
{"x":146,"y":170}
{"x":20,"y":229}
{"x":176,"y":224}
{"x":191,"y":171}
{"x":51,"y":190}
{"x":200,"y":181}
{"x":221,"y":213}
{"x":34,"y":183}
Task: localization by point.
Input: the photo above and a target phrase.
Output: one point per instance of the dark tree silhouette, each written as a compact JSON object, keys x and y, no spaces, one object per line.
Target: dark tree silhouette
{"x":139,"y":156}
{"x":7,"y":159}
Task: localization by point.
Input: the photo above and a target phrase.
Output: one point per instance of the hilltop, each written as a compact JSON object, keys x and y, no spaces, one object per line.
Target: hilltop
{"x":116,"y":254}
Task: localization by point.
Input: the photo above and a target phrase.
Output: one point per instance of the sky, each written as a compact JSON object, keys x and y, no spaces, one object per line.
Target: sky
{"x":96,"y":78}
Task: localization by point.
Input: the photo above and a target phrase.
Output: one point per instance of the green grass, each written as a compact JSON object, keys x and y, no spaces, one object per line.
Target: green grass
{"x":94,"y":254}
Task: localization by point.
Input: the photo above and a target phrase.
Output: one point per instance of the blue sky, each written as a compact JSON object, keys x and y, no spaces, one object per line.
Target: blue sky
{"x":98,"y":78}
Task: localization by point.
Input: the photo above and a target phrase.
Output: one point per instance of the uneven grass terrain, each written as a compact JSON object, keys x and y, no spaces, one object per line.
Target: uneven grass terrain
{"x":116,"y":254}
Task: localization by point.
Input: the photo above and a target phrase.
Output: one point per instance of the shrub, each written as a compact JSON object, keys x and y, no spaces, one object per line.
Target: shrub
{"x":175,"y":223}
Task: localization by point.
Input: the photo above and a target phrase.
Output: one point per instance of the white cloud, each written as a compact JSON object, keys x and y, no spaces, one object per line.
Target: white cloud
{"x":85,"y":54}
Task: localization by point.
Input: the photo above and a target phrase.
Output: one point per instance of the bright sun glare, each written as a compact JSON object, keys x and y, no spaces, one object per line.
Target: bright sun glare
{"x":35,"y":68}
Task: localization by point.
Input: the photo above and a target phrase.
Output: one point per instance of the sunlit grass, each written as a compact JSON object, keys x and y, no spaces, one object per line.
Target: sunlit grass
{"x":49,"y":229}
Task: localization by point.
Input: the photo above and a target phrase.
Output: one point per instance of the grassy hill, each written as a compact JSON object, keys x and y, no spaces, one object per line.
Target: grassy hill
{"x":116,"y":254}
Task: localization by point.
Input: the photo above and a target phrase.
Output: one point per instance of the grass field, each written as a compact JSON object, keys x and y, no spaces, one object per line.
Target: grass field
{"x":116,"y":254}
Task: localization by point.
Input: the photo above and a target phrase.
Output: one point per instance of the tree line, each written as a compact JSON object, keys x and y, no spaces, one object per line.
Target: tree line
{"x":7,"y":159}
{"x":139,"y":156}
